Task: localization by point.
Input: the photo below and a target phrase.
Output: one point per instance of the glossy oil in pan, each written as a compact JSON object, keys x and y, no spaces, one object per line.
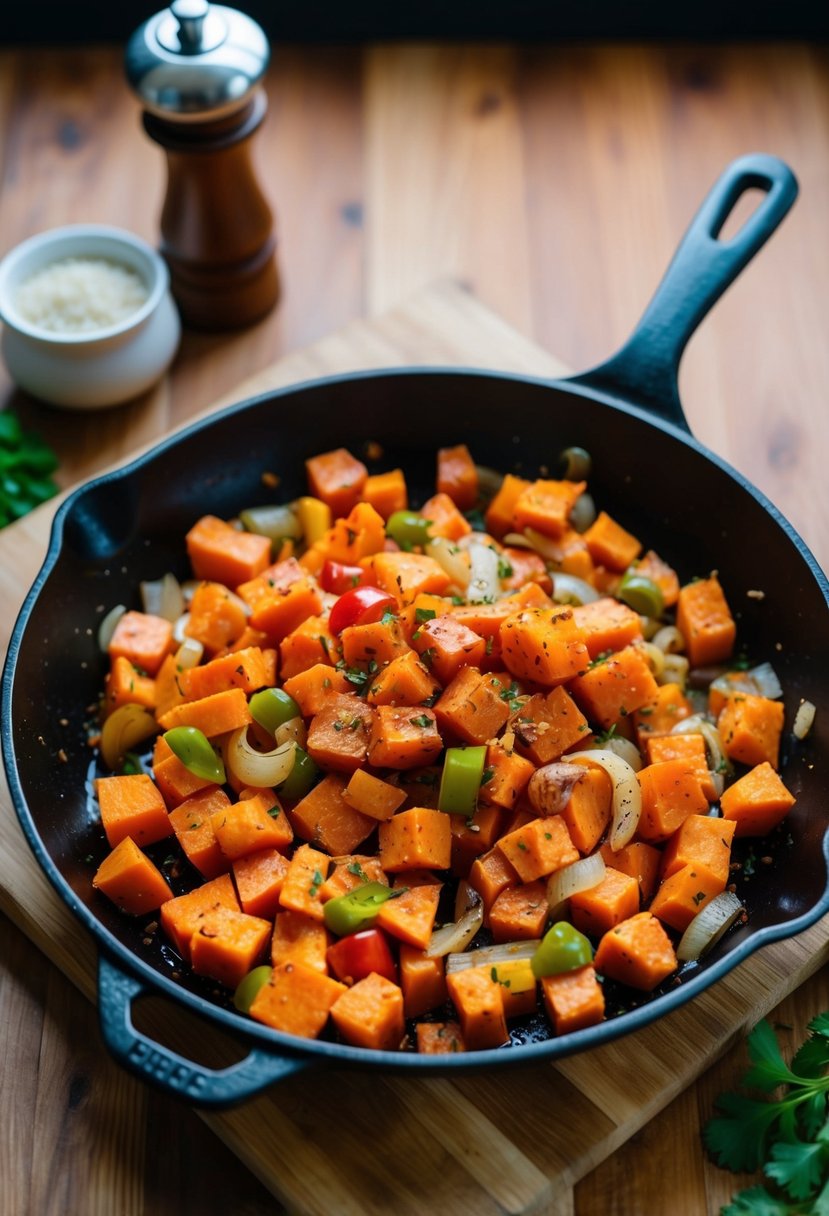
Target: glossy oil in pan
{"x":647,"y":471}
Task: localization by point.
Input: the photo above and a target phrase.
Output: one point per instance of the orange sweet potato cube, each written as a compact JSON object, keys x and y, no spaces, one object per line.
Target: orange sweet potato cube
{"x":750,"y":728}
{"x":544,"y":645}
{"x":608,"y":624}
{"x":228,"y":944}
{"x":480,"y":1005}
{"x":297,"y":1000}
{"x":660,"y":714}
{"x":757,"y":802}
{"x":548,"y":725}
{"x":500,"y":514}
{"x":251,"y":823}
{"x":407,"y":575}
{"x":636,"y":952}
{"x":670,"y":793}
{"x":546,"y":506}
{"x":473,"y":836}
{"x":259,"y":878}
{"x":471,"y":708}
{"x":613,"y":688}
{"x":519,"y":912}
{"x":216,"y":618}
{"x":339,"y":734}
{"x":410,"y":917}
{"x":641,"y":861}
{"x":588,"y":810}
{"x":438,"y":1038}
{"x":701,"y":838}
{"x":610,"y":544}
{"x":143,"y":639}
{"x":350,"y":871}
{"x":403,"y":737}
{"x":573,"y":999}
{"x":539,"y":848}
{"x":131,"y":880}
{"x":249,"y":669}
{"x":298,"y":938}
{"x":457,"y":476}
{"x":325,"y":818}
{"x":416,"y":839}
{"x":191,"y":822}
{"x":386,"y":492}
{"x":377,"y":642}
{"x":312,"y":688}
{"x":445,"y":518}
{"x":370,"y":1014}
{"x":704,"y":619}
{"x":306,"y":874}
{"x":491,"y":874}
{"x":337,"y":478}
{"x":687,"y":747}
{"x":180,"y":916}
{"x":422,"y":981}
{"x":372,"y":796}
{"x":310,"y":643}
{"x":130,"y":805}
{"x":449,"y":645}
{"x":614,"y":899}
{"x":214,"y":715}
{"x":404,"y":681}
{"x":221,"y":553}
{"x":685,"y":893}
{"x":125,"y":685}
{"x":506,"y":776}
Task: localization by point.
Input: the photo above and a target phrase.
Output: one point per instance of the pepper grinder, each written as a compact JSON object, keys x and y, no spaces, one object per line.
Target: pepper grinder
{"x":197,"y":70}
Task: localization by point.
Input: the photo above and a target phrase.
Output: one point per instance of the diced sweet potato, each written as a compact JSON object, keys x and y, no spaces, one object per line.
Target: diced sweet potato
{"x":180,"y":916}
{"x":471,"y":708}
{"x":615,"y":687}
{"x":337,"y":478}
{"x":500,"y":514}
{"x":131,"y":880}
{"x":416,"y":839}
{"x":547,"y":725}
{"x":704,"y":619}
{"x":652,"y":566}
{"x":191,"y":822}
{"x":610,"y":544}
{"x":544,"y":645}
{"x":687,"y":747}
{"x":491,"y":874}
{"x":214,"y":715}
{"x":405,"y":681}
{"x":410,"y":917}
{"x":519,"y":912}
{"x":608,"y":624}
{"x":685,"y":893}
{"x":325,"y":818}
{"x":422,"y":981}
{"x":143,"y":639}
{"x":377,"y":643}
{"x":228,"y":944}
{"x":403,"y":737}
{"x":370,"y":1014}
{"x":750,"y":728}
{"x":312,"y":688}
{"x":670,"y":793}
{"x":539,"y":848}
{"x":640,"y":861}
{"x":439,"y":1038}
{"x":386,"y":492}
{"x":457,"y":476}
{"x":546,"y":506}
{"x":588,"y":810}
{"x":660,"y":714}
{"x":298,"y":938}
{"x":222,"y":553}
{"x":614,"y":899}
{"x":249,"y":669}
{"x":473,"y":836}
{"x":702,"y":839}
{"x":479,"y":1001}
{"x":487,"y":619}
{"x":372,"y":796}
{"x":216,"y":618}
{"x":573,"y":999}
{"x":506,"y":775}
{"x":445,"y":518}
{"x":339,"y":734}
{"x":131,"y":805}
{"x":124,"y":685}
{"x":637,"y":952}
{"x":306,"y":874}
{"x":310,"y":643}
{"x":251,"y":823}
{"x":450,"y":645}
{"x":259,"y":878}
{"x":297,"y":1000}
{"x":757,"y":802}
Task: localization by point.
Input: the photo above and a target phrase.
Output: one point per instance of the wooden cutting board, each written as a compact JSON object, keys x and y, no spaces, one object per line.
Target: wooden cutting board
{"x":363,"y":1144}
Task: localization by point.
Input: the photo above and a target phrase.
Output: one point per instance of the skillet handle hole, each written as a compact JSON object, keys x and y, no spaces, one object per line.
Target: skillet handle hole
{"x":739,"y":215}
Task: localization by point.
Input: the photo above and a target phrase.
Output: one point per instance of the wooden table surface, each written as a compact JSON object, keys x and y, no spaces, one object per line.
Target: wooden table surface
{"x":555,"y":183}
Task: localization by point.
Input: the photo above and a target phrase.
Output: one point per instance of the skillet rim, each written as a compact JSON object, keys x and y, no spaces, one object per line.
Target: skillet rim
{"x":311,"y":1051}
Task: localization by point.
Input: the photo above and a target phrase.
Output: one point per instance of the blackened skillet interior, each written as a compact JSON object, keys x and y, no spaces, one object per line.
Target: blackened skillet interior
{"x":128,"y":526}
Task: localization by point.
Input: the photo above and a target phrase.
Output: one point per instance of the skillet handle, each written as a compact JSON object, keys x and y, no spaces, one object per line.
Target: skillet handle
{"x":166,"y":1069}
{"x":644,"y":371}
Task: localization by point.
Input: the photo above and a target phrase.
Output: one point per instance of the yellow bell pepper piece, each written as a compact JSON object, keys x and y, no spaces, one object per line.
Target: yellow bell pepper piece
{"x":314,"y":517}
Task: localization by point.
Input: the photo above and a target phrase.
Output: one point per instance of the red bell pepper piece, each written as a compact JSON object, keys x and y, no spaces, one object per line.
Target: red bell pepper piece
{"x":360,"y":606}
{"x":357,"y":955}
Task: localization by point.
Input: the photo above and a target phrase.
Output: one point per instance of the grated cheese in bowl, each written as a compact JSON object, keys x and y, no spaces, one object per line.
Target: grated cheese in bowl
{"x":80,"y":295}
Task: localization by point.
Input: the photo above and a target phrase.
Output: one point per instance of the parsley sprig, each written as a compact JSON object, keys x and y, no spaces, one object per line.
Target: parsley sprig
{"x":26,"y":463}
{"x":786,"y":1134}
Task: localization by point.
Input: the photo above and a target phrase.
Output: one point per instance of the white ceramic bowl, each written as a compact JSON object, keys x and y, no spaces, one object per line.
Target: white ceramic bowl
{"x":94,"y":368}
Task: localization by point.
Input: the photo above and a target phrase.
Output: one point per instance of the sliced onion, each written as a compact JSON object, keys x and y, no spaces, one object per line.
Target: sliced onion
{"x":759,"y":681}
{"x":259,"y":769}
{"x":491,"y":956}
{"x":567,"y":589}
{"x":654,"y":657}
{"x":126,"y":726}
{"x":669,"y":639}
{"x":675,"y":670}
{"x":717,"y":782}
{"x":163,"y":597}
{"x":292,"y":731}
{"x":107,"y":625}
{"x":708,"y":926}
{"x":188,"y":590}
{"x":449,"y":558}
{"x":544,"y":545}
{"x":180,"y":628}
{"x":277,"y":522}
{"x":627,"y":795}
{"x":696,"y":724}
{"x":189,"y":654}
{"x":626,"y":749}
{"x":569,"y":880}
{"x":484,"y":583}
{"x":803,"y":719}
{"x":455,"y":937}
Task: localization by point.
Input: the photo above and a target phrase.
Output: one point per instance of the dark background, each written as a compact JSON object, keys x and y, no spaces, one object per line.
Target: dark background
{"x":520,"y":20}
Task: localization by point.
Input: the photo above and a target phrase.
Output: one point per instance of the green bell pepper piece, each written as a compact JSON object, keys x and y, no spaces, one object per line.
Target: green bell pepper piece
{"x":357,"y":909}
{"x":408,"y":528}
{"x":272,"y":707}
{"x":301,"y":777}
{"x":248,"y":987}
{"x":463,"y":768}
{"x":562,"y":948}
{"x":196,"y":753}
{"x":641,"y":594}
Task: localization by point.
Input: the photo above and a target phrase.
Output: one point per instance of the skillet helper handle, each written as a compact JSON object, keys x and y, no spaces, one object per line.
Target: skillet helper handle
{"x":166,"y":1069}
{"x":645,"y":370}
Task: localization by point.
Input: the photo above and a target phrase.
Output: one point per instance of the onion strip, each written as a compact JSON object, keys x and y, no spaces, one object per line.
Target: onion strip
{"x":258,"y":769}
{"x":718,"y":762}
{"x":491,"y":956}
{"x":456,"y":936}
{"x":627,"y":795}
{"x":569,"y":880}
{"x":708,"y":926}
{"x":484,"y":585}
{"x":107,"y":626}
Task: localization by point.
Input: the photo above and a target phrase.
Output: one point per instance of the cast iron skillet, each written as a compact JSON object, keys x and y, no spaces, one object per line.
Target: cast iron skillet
{"x":647,"y":471}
